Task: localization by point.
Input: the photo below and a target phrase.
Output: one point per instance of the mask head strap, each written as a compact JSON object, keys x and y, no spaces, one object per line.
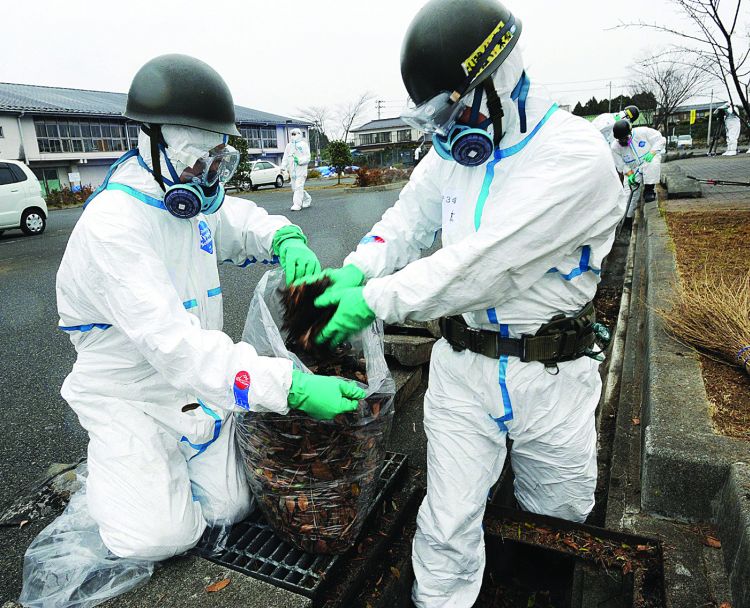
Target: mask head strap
{"x":495,"y":107}
{"x":156,"y":139}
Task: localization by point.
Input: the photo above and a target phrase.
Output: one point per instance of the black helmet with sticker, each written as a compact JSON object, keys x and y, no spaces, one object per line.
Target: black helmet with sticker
{"x":454,"y":45}
{"x":632,"y":112}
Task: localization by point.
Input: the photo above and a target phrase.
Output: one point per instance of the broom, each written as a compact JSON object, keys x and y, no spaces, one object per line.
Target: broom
{"x":712,"y":315}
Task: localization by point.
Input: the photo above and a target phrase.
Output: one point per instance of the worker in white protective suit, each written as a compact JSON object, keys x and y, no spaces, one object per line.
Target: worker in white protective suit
{"x":156,"y":381}
{"x":528,"y":202}
{"x":637,"y":153}
{"x":733,"y":125}
{"x":605,"y":122}
{"x":295,"y":160}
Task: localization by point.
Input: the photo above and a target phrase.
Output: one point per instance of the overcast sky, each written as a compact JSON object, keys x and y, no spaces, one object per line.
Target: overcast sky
{"x":281,"y":56}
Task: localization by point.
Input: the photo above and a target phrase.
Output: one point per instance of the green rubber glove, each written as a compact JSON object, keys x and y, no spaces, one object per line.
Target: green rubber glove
{"x":352,"y":314}
{"x":295,"y":257}
{"x":632,"y":178}
{"x":341,"y":278}
{"x":323,"y":397}
{"x":649,"y":156}
{"x":296,"y":161}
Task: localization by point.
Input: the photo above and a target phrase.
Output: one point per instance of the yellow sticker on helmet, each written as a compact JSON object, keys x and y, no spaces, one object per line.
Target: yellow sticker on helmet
{"x":477,"y":59}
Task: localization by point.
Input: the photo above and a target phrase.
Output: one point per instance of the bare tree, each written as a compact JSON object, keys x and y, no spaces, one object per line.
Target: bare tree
{"x":714,"y":42}
{"x":671,"y":82}
{"x":350,"y":111}
{"x":318,"y":116}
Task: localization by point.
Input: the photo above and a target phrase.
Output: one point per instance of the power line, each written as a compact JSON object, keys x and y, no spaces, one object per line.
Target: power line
{"x":607,"y":79}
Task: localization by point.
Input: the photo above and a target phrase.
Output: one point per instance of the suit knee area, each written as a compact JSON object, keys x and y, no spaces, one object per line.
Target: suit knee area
{"x":154,"y":542}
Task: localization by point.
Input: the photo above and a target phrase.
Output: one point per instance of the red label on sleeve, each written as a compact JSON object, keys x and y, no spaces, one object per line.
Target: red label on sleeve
{"x":242,"y":380}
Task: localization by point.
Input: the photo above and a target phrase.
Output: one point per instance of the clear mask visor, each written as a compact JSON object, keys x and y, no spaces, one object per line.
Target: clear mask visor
{"x":436,"y":116}
{"x":217,"y":166}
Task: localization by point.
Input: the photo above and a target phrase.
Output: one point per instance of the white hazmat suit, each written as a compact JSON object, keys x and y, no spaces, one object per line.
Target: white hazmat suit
{"x":138,"y":293}
{"x":605,"y":123}
{"x":524,"y":236}
{"x":630,"y":158}
{"x":295,"y":160}
{"x":733,"y":125}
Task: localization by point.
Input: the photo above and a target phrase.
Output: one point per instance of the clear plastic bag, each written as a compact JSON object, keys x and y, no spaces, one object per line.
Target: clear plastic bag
{"x":68,"y":566}
{"x":315,"y":480}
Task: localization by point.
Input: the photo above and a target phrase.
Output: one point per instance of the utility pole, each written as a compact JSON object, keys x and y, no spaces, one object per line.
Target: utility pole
{"x":379,"y":104}
{"x":610,"y":97}
{"x":710,"y":114}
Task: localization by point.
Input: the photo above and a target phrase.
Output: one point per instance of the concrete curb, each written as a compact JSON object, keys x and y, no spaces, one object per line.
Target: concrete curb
{"x":383,"y":188}
{"x":678,"y":185}
{"x":688,"y":470}
{"x":734,"y":529}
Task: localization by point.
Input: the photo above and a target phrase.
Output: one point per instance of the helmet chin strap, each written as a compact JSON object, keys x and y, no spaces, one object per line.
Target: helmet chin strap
{"x":495,"y":107}
{"x":156,"y":138}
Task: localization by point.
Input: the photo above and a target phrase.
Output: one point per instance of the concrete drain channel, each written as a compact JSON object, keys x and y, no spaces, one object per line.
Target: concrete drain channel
{"x":540,"y":561}
{"x":532,"y":560}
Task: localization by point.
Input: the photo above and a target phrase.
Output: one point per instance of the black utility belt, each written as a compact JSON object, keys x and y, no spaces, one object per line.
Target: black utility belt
{"x":561,"y":339}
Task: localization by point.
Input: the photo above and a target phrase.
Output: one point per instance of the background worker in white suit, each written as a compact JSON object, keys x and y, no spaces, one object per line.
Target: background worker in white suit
{"x":296,"y":158}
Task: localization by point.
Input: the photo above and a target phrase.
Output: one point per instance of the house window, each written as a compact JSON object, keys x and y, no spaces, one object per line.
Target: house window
{"x":383,"y":137}
{"x":268,"y":135}
{"x":404,"y":135}
{"x":54,"y":136}
{"x":252,"y":135}
{"x":133,"y":131}
{"x":366,"y":139}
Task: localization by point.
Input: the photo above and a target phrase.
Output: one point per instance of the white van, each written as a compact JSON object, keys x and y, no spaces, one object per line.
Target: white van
{"x":21,"y":202}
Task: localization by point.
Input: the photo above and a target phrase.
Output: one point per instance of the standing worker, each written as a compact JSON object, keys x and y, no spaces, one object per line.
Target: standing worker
{"x":637,"y":153}
{"x":732,"y":124}
{"x":156,"y":381}
{"x":605,"y":122}
{"x":528,"y":202}
{"x":295,"y":161}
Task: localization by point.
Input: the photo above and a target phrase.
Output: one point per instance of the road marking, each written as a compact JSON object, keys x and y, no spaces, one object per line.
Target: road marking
{"x":7,"y":242}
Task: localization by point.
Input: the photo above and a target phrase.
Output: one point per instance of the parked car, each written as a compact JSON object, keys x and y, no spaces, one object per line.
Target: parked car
{"x":21,"y":202}
{"x":266,"y":173}
{"x":684,"y":141}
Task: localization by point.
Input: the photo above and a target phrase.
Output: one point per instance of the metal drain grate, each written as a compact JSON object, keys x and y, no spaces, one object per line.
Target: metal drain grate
{"x":252,"y":548}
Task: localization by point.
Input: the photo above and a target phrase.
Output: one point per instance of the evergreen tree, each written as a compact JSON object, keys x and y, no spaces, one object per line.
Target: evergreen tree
{"x":241,"y":177}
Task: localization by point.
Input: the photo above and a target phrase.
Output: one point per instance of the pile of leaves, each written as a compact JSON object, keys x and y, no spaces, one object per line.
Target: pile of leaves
{"x":314,"y":479}
{"x":67,"y":197}
{"x":303,"y":320}
{"x":378,"y":177}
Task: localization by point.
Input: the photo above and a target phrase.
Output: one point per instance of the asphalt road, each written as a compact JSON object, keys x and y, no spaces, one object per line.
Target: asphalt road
{"x":39,"y":428}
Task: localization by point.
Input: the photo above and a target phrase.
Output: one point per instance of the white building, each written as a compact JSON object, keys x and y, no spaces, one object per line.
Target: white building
{"x":387,"y":141}
{"x":73,"y":134}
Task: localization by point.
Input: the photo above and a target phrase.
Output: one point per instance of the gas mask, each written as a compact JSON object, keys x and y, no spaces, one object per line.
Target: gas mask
{"x":468,"y":143}
{"x":468,"y":128}
{"x":199,"y":164}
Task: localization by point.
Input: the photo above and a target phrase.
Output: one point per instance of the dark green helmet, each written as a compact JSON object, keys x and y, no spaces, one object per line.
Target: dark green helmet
{"x":622,"y":129}
{"x":454,"y":45}
{"x":181,"y":90}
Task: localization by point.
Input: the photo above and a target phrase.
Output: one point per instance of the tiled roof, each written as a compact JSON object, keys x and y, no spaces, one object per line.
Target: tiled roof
{"x":382,"y":123}
{"x":58,"y":100}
